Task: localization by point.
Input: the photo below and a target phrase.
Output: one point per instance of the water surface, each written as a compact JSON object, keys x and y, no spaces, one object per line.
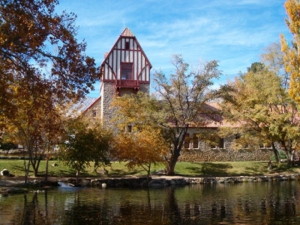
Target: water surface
{"x":247,"y":203}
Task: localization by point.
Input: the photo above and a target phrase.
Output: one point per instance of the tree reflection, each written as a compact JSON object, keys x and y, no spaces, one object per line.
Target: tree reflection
{"x":236,"y":204}
{"x":33,"y":213}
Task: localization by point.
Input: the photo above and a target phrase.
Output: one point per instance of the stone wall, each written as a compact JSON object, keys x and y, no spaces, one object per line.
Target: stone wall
{"x":108,"y":92}
{"x":209,"y":155}
{"x":145,"y":88}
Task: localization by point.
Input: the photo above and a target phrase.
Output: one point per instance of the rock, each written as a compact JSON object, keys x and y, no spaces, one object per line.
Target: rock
{"x":13,"y":190}
{"x":159,"y":172}
{"x":6,"y":173}
{"x":158,"y":183}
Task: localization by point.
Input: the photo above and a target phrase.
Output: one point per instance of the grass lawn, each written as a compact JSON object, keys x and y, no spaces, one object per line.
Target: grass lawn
{"x":182,"y":168}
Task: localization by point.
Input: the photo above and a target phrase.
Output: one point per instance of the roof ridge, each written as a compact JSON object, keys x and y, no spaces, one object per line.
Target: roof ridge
{"x":127,"y":33}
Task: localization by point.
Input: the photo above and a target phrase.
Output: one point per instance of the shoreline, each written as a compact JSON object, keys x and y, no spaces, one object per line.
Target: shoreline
{"x":156,"y":181}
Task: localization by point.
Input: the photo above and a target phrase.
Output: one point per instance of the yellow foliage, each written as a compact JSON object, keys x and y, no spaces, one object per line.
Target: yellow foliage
{"x":292,"y":53}
{"x":141,"y":148}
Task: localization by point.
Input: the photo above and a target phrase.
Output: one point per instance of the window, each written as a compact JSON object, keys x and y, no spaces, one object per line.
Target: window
{"x":195,"y":141}
{"x":126,"y":71}
{"x":127,"y":45}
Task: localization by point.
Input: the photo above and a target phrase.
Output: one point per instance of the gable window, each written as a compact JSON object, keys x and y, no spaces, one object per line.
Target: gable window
{"x":126,"y":71}
{"x":127,"y":46}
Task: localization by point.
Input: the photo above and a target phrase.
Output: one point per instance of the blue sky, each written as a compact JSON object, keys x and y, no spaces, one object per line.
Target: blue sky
{"x":234,"y":32}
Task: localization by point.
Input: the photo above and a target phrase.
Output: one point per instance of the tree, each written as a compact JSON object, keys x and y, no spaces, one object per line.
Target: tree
{"x":35,"y":42}
{"x":292,"y":53}
{"x":83,"y":145}
{"x":36,"y":124}
{"x":264,"y":111}
{"x":178,"y":103}
{"x":183,"y":96}
{"x":42,"y":66}
{"x":141,"y":148}
{"x":272,"y":58}
{"x":139,"y":140}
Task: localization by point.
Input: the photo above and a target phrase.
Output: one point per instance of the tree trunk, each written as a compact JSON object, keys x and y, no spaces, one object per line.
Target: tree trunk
{"x":275,"y":151}
{"x":35,"y":162}
{"x":178,"y":143}
{"x":288,"y":152}
{"x":47,"y":168}
{"x":26,"y":170}
{"x":172,"y":162}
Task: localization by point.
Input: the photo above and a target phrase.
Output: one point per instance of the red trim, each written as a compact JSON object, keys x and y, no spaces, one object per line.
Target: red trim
{"x":144,"y":82}
{"x":108,"y":81}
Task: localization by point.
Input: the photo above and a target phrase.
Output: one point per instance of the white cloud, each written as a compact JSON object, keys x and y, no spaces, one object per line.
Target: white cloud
{"x":233,"y":32}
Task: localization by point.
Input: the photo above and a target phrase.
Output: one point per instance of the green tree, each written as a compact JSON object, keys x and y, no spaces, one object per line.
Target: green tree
{"x":178,"y":103}
{"x":260,"y":105}
{"x":84,"y":145}
{"x":292,"y":53}
{"x":182,"y":95}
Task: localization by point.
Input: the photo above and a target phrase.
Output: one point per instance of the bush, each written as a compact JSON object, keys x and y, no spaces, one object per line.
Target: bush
{"x":8,"y":146}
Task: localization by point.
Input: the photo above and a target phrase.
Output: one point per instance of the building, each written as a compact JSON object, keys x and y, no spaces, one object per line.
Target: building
{"x":124,"y":70}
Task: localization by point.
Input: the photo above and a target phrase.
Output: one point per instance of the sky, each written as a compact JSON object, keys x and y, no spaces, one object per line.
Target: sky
{"x":233,"y":32}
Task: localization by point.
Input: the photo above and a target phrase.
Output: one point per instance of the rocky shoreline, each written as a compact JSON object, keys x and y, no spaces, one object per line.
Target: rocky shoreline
{"x":10,"y":185}
{"x":166,"y":181}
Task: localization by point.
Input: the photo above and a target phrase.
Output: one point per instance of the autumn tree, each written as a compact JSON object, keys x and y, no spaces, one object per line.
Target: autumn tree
{"x":292,"y":52}
{"x":179,"y":102}
{"x":139,"y":139}
{"x":83,"y":145}
{"x":141,"y":148}
{"x":42,"y":66}
{"x":36,"y":124}
{"x":260,"y":105}
{"x":183,"y":95}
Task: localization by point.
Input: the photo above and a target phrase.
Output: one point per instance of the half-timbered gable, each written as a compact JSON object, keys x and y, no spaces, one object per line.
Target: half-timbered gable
{"x":126,"y":65}
{"x":124,"y":70}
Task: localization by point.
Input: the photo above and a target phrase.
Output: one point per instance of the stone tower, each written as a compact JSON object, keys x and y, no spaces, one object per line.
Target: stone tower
{"x":124,"y":70}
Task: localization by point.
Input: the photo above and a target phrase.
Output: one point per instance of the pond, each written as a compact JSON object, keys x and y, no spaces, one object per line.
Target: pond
{"x":245,"y":203}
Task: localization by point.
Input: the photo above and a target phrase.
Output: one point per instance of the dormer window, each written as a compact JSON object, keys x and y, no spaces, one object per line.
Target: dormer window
{"x":127,"y":46}
{"x":126,"y":71}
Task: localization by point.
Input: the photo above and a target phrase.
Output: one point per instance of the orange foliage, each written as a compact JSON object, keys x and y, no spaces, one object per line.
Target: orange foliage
{"x":141,"y":148}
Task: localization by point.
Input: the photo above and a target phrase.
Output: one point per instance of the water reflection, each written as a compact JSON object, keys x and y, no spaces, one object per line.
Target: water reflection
{"x":257,"y":203}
